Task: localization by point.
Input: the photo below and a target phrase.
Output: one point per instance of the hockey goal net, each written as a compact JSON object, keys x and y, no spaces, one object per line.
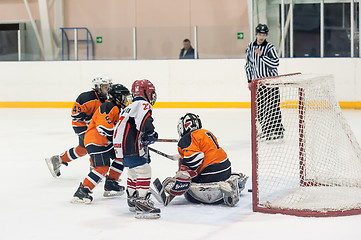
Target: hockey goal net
{"x":305,"y":159}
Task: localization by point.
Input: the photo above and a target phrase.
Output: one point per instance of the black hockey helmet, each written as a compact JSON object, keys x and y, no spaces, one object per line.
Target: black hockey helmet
{"x":120,"y":94}
{"x":189,"y":122}
{"x":262,"y":28}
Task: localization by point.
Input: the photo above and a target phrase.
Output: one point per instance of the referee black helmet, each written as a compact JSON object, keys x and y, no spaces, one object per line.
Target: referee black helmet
{"x":262,"y":28}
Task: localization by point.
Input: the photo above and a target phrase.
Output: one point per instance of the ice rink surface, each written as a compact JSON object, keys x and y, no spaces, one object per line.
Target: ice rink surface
{"x":34,"y":205}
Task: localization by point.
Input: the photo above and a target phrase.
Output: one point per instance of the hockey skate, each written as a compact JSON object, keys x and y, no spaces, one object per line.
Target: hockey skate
{"x":112,"y":188}
{"x":54,"y":164}
{"x":230,"y":191}
{"x":131,"y":200}
{"x":144,"y":208}
{"x":241,"y":179}
{"x":82,"y":195}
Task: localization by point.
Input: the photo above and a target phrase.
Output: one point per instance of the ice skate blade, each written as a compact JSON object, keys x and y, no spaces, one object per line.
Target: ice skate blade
{"x":112,"y":193}
{"x":51,"y":168}
{"x":145,"y":215}
{"x":77,"y":200}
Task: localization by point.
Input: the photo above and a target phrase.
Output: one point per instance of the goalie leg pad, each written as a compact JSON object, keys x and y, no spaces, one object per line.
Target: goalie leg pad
{"x":230,"y":191}
{"x":208,"y":193}
{"x":214,"y":192}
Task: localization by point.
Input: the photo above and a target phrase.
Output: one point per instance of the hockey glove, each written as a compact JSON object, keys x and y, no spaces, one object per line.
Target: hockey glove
{"x":177,"y":185}
{"x":145,"y":140}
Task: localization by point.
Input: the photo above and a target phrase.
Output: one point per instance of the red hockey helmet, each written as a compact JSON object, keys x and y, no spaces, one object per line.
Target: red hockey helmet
{"x":145,"y":89}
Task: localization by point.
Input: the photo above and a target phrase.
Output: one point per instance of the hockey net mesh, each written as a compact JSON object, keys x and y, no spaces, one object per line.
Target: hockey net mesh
{"x":307,"y":158}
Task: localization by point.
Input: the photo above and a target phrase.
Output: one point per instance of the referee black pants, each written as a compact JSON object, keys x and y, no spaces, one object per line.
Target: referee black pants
{"x":268,"y":110}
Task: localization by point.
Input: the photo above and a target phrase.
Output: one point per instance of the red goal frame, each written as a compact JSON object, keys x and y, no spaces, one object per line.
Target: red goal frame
{"x":303,"y":182}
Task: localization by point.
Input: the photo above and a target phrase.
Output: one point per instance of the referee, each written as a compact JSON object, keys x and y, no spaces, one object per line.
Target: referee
{"x":262,"y":61}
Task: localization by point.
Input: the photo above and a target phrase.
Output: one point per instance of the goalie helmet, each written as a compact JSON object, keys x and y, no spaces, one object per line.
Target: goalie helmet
{"x":145,"y":89}
{"x":188,"y":123}
{"x":120,"y":94}
{"x":100,"y":80}
{"x":262,"y":28}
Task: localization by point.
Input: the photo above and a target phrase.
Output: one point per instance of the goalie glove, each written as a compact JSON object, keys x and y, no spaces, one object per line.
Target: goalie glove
{"x":177,"y":185}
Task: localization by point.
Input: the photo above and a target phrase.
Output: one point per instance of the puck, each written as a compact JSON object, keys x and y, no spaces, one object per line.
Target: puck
{"x":249,"y":190}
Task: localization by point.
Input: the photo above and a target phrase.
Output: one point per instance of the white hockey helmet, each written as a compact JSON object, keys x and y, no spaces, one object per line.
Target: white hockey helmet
{"x":100,"y":80}
{"x":189,"y":122}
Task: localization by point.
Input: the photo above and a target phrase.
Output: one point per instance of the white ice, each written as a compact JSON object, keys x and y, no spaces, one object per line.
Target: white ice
{"x":34,"y":205}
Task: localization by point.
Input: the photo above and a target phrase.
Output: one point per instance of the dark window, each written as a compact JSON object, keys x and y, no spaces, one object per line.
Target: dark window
{"x":306,"y":27}
{"x":337,"y":30}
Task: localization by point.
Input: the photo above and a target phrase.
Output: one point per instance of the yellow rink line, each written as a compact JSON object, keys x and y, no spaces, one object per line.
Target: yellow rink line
{"x":344,"y":105}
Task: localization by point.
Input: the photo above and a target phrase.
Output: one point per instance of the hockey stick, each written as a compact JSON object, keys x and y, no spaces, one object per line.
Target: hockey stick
{"x":160,"y":194}
{"x":167,"y":140}
{"x":171,"y":157}
{"x":156,"y":195}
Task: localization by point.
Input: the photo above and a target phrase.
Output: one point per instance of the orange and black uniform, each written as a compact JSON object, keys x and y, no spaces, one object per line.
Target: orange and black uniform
{"x":82,"y":111}
{"x":98,"y":142}
{"x":206,"y":160}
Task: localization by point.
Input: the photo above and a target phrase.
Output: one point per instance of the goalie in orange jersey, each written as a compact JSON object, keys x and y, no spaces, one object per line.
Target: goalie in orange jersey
{"x":204,"y":174}
{"x":82,"y":111}
{"x":99,"y":144}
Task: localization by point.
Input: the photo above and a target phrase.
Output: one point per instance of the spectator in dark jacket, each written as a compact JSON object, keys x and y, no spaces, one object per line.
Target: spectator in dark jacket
{"x":187,"y":52}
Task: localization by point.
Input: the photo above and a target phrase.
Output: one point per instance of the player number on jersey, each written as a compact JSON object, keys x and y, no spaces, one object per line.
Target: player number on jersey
{"x":146,"y":106}
{"x":76,"y":109}
{"x":108,"y":119}
{"x":213,"y":139}
{"x":120,"y":121}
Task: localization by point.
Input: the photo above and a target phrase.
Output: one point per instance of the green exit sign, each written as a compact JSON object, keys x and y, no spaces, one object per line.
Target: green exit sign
{"x":99,"y":39}
{"x":240,"y":35}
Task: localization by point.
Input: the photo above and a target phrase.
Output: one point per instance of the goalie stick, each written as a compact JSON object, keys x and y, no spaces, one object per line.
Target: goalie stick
{"x":167,"y":140}
{"x":171,"y":157}
{"x":159,"y":193}
{"x":156,"y":195}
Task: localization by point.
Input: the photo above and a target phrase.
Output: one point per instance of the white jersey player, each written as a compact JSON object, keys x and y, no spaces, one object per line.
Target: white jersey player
{"x":133,"y":133}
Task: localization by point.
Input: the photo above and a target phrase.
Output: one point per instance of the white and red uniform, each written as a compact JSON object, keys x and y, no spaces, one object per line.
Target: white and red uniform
{"x":135,"y":120}
{"x":134,"y":123}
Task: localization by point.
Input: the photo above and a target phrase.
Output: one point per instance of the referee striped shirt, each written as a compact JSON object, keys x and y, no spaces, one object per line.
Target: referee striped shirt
{"x":261,"y":66}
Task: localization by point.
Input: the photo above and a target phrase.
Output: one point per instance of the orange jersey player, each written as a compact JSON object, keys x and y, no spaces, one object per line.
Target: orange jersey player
{"x":82,"y":111}
{"x":99,"y":145}
{"x":204,"y":174}
{"x":203,"y":145}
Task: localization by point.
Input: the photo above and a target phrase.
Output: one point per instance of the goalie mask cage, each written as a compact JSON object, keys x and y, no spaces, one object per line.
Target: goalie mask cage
{"x":314,"y":167}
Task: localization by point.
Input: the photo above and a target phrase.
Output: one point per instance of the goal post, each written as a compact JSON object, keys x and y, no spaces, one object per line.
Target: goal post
{"x":305,"y":158}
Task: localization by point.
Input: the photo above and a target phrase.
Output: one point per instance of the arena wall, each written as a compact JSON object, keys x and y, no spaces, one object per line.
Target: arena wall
{"x":204,"y":83}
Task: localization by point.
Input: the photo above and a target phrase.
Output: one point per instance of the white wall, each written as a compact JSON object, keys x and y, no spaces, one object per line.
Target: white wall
{"x":213,"y":80}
